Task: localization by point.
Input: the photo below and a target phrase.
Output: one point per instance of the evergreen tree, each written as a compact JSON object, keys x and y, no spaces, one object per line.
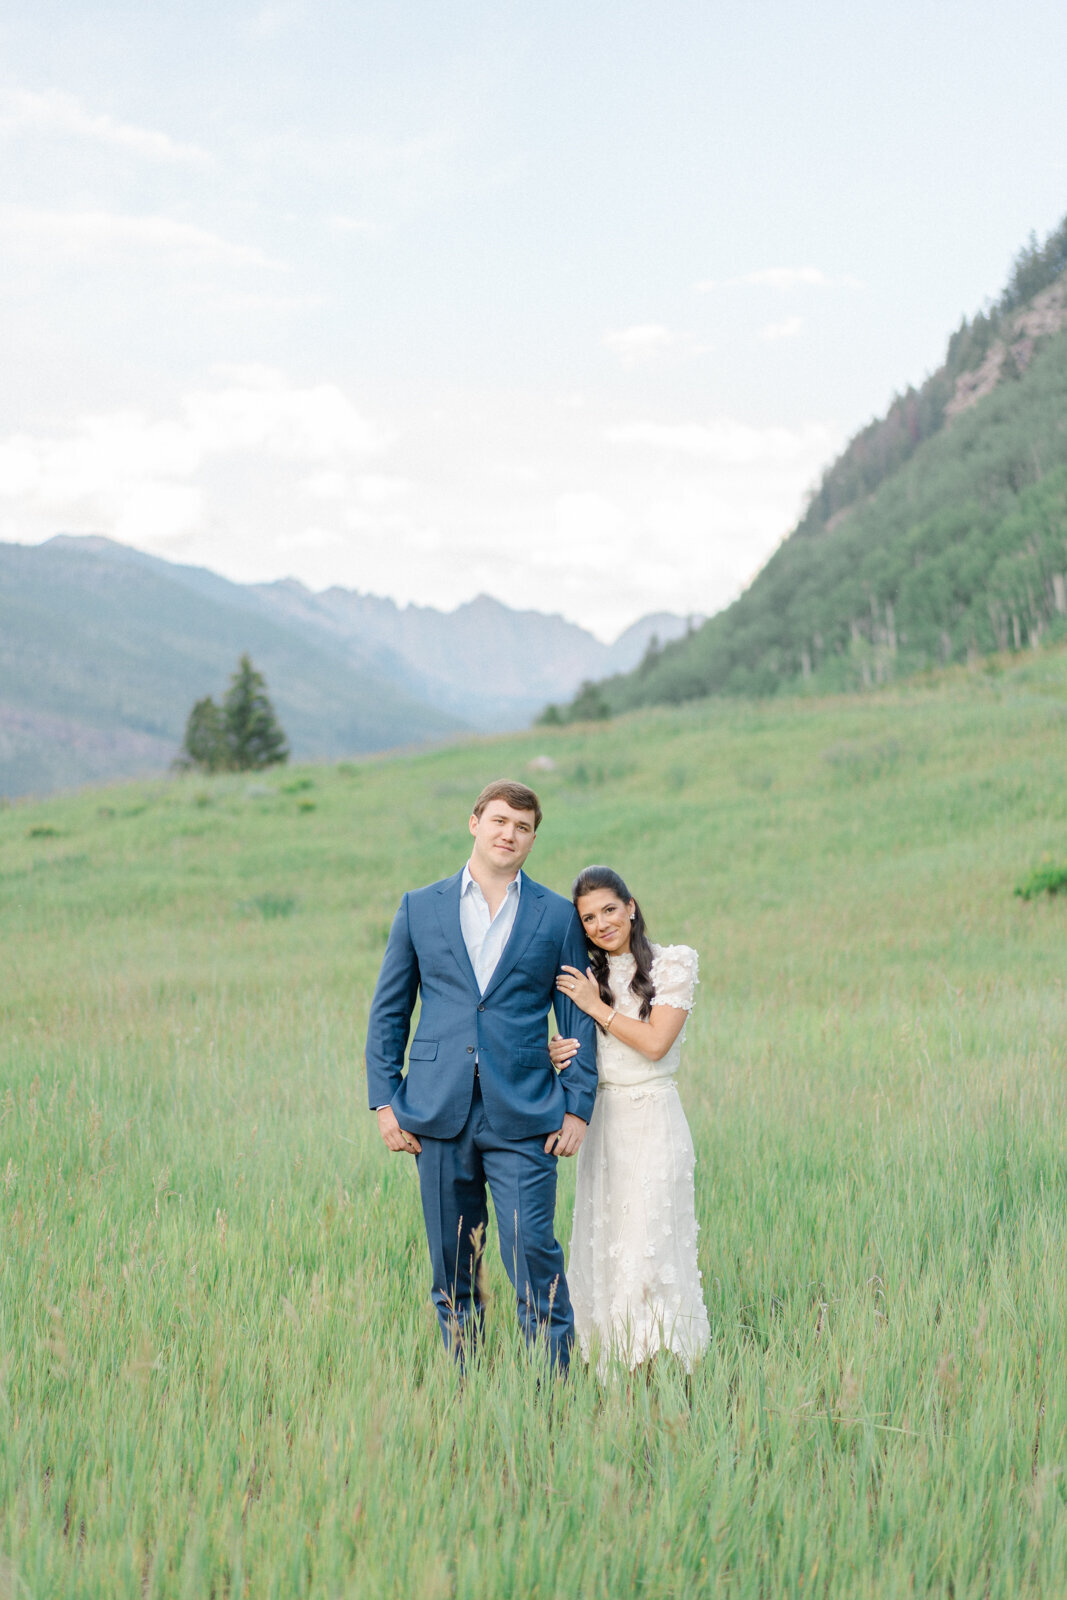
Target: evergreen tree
{"x":589,"y":705}
{"x":254,"y":736}
{"x":204,"y":745}
{"x":653,"y":651}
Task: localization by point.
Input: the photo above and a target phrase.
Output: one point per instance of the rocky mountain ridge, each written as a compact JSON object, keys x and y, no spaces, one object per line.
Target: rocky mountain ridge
{"x":103,"y":650}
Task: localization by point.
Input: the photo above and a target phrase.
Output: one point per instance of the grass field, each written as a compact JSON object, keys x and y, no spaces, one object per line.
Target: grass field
{"x":220,"y":1370}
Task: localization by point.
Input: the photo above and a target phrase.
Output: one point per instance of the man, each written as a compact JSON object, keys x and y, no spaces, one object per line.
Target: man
{"x":481,"y":1102}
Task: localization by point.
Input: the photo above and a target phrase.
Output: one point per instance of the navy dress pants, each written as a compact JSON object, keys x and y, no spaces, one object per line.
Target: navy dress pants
{"x":522,"y":1181}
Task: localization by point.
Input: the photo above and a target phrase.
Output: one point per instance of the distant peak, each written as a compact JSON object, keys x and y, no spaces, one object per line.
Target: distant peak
{"x":489,"y":605}
{"x":290,"y":585}
{"x":82,"y":541}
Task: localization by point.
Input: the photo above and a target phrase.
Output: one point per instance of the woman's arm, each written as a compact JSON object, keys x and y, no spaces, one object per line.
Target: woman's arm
{"x":653,"y":1037}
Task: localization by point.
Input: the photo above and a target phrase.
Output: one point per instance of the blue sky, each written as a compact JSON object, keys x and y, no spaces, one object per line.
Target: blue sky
{"x":565,"y":303}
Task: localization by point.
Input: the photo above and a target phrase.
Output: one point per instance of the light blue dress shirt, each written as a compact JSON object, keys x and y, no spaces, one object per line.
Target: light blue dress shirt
{"x":486,"y":936}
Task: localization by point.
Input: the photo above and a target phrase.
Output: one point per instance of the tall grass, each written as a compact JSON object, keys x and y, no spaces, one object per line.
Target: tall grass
{"x":221,"y":1374}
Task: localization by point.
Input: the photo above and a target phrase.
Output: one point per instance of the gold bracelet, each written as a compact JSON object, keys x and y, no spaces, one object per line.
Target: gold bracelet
{"x":607,"y":1025}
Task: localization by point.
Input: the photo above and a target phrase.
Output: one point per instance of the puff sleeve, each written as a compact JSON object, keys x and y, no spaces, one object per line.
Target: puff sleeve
{"x":674,"y":976}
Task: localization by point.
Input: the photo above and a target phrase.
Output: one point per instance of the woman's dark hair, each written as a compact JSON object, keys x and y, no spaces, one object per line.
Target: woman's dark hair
{"x":641,"y":985}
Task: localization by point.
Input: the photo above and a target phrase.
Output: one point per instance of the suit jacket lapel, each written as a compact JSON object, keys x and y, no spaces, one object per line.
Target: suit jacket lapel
{"x":531,"y":910}
{"x":448,"y":915}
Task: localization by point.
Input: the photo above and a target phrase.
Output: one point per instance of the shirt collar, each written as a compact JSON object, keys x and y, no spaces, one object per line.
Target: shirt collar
{"x":467,"y":882}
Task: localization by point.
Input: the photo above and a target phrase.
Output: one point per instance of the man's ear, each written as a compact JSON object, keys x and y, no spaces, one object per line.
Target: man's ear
{"x":473,"y":824}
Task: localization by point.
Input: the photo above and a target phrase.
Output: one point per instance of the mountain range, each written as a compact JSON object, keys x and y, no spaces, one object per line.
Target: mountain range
{"x":104,"y":649}
{"x":939,"y":534}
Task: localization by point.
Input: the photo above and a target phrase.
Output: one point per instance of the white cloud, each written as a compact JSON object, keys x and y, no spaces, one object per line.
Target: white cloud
{"x":99,"y":455}
{"x":107,"y":235}
{"x":403,"y":160}
{"x":150,"y":481}
{"x":259,"y":303}
{"x":309,"y":539}
{"x":359,"y":227}
{"x":726,"y":442}
{"x":435,"y":563}
{"x":638,"y":343}
{"x":782,"y":278}
{"x":257,"y":410}
{"x":261,"y":478}
{"x":788,"y":328}
{"x":51,"y":111}
{"x":170,"y":510}
{"x":588,"y":526}
{"x":327,"y":485}
{"x":271,"y":20}
{"x":376,"y":489}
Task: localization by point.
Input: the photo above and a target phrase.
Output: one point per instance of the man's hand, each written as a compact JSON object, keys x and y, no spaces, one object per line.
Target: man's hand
{"x":395,"y":1137}
{"x":562,"y":1050}
{"x":567,"y":1140}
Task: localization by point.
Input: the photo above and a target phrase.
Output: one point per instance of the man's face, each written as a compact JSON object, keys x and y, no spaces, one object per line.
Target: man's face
{"x":503,"y":837}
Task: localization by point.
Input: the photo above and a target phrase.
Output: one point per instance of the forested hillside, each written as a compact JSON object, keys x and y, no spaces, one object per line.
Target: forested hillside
{"x":940,"y":533}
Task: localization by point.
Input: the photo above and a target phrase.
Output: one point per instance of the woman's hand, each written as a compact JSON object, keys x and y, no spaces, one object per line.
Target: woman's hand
{"x":562,"y":1051}
{"x":582,"y":988}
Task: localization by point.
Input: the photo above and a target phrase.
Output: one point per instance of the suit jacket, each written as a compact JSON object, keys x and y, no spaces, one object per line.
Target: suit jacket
{"x":505,"y":1029}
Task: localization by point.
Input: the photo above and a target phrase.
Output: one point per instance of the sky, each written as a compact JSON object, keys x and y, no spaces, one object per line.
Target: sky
{"x":570,"y":304}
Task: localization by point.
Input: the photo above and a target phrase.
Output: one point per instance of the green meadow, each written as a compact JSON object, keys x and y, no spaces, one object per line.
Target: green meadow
{"x":219,"y":1370}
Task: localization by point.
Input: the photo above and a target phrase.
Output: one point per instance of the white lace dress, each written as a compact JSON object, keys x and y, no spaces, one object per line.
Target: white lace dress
{"x":634,"y":1281}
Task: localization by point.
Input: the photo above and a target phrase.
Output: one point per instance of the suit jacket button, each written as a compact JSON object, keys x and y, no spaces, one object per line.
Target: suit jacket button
{"x":470,"y":1049}
{"x":481,"y":1008}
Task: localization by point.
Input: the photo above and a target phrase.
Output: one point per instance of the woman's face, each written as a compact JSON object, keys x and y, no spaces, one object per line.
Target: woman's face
{"x":606,"y":920}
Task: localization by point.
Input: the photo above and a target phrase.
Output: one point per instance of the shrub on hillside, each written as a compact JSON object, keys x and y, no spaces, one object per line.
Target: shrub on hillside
{"x":1043,"y":880}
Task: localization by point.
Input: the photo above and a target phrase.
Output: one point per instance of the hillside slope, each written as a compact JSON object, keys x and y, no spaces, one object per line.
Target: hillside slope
{"x":104,"y":648}
{"x":214,"y":1296}
{"x":938,"y":535}
{"x":103,"y":651}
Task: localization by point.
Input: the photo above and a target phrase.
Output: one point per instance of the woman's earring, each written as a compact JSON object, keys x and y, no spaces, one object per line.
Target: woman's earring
{"x":631,"y":916}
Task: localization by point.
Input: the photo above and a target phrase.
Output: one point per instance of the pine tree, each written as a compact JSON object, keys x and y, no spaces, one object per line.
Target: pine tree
{"x":204,"y":745}
{"x":254,"y":737}
{"x":589,"y":704}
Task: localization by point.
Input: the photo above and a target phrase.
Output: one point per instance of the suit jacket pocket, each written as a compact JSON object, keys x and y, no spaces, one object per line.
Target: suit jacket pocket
{"x":423,"y":1050}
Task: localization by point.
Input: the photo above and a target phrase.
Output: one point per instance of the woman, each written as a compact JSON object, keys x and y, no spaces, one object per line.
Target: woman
{"x":633,"y":1273}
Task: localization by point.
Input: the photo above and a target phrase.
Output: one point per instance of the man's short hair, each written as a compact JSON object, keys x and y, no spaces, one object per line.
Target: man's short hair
{"x":517,"y":795}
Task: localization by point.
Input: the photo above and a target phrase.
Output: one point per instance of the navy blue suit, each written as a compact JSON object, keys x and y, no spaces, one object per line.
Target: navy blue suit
{"x":482,"y":1095}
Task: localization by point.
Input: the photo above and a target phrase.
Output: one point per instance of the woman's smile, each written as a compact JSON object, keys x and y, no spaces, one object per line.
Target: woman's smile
{"x":606,"y":920}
